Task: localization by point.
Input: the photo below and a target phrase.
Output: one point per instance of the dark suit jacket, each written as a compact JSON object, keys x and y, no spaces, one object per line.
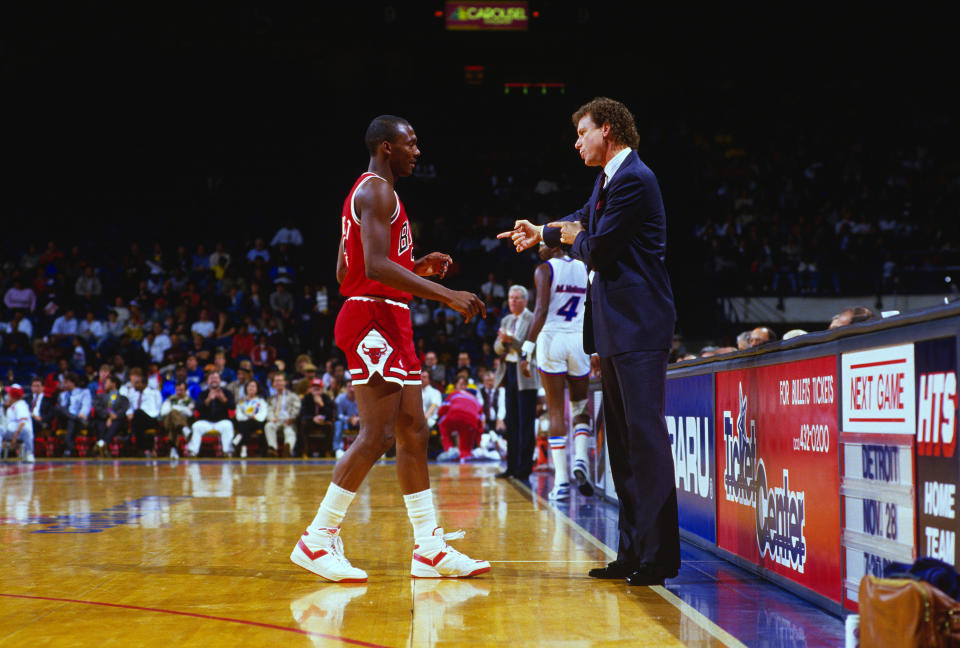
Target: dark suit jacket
{"x":102,"y":406}
{"x":624,"y":242}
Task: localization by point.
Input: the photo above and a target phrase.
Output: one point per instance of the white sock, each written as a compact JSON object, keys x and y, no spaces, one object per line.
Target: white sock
{"x":332,"y":509}
{"x":558,"y":450}
{"x":422,"y":514}
{"x":581,"y":439}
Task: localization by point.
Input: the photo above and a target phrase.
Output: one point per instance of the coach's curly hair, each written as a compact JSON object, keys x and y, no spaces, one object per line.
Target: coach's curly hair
{"x":603,"y":110}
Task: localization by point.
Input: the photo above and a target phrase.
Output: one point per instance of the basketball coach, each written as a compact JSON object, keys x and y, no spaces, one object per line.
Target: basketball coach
{"x":620,"y":233}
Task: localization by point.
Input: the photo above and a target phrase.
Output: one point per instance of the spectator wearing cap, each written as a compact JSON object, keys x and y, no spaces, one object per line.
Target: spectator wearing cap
{"x":244,"y":374}
{"x":317,"y":415}
{"x":214,"y":407}
{"x":109,"y":414}
{"x":281,"y":415}
{"x":143,"y":412}
{"x":348,"y":417}
{"x":73,"y":409}
{"x":302,"y":386}
{"x":176,"y":413}
{"x":252,"y":413}
{"x":19,"y":423}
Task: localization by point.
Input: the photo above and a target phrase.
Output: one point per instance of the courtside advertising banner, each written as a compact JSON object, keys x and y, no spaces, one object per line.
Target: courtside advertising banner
{"x":778,"y":470}
{"x":938,"y":462}
{"x":878,"y":396}
{"x":689,"y":417}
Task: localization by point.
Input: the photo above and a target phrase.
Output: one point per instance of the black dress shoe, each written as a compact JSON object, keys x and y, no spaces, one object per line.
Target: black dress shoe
{"x":504,"y":475}
{"x":649,"y":574}
{"x":616,"y":569}
{"x":583,"y":483}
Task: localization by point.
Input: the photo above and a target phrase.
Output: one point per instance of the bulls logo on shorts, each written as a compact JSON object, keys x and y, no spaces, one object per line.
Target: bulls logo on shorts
{"x":374,"y":349}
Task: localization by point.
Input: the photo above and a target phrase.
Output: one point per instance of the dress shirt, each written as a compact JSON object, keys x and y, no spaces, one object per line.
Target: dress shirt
{"x":77,"y":402}
{"x":611,"y":167}
{"x":149,"y":400}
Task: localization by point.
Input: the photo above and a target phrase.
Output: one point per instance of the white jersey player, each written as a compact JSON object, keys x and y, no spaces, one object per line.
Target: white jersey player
{"x":561,"y":284}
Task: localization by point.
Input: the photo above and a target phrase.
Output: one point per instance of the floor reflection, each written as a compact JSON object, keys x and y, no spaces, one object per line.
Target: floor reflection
{"x":321,"y":613}
{"x":438,"y":607}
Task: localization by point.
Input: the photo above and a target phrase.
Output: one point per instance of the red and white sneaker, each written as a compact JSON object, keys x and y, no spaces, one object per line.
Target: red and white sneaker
{"x":321,"y":552}
{"x":434,"y":558}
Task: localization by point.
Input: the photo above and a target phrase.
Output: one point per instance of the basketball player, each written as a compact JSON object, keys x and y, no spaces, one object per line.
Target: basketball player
{"x":557,"y":328}
{"x":378,"y":275}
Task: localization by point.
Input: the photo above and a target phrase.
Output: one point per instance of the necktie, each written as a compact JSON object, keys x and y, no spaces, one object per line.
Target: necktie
{"x":139,"y":399}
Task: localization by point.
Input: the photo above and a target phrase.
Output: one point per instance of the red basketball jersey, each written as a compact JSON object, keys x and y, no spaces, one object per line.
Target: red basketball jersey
{"x":356,"y":283}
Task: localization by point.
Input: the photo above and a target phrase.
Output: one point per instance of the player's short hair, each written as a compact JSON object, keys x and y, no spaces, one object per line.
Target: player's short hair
{"x":520,"y":289}
{"x":383,"y":129}
{"x":603,"y":110}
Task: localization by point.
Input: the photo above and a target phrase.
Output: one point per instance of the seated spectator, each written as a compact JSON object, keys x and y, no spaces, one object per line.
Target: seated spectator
{"x":177,"y":353}
{"x":219,"y":257}
{"x":761,"y":335}
{"x":17,"y":334}
{"x":288,"y":234}
{"x":79,"y":357}
{"x":19,"y":423}
{"x":438,"y":372}
{"x":109,"y":415}
{"x":258,"y":251}
{"x":227,"y":374}
{"x":244,"y":374}
{"x":309,"y":371}
{"x":42,"y":406}
{"x":493,"y":400}
{"x":263,"y":355}
{"x":432,"y":399}
{"x":348,"y":417}
{"x":114,"y":328}
{"x":743,"y":341}
{"x":203,"y":327}
{"x":460,"y":414}
{"x":251,"y":414}
{"x":91,"y":330}
{"x":214,"y":406}
{"x":316,"y":415}
{"x":194,"y":371}
{"x":88,"y":287}
{"x":792,"y":333}
{"x":463,"y":363}
{"x":20,"y":297}
{"x":143,"y":412}
{"x":243,"y":342}
{"x":223,"y":335}
{"x":73,"y":409}
{"x":851,"y":315}
{"x":282,"y":302}
{"x":281,"y":416}
{"x":491,"y":290}
{"x":64,"y":327}
{"x":161,"y":342}
{"x":176,"y":413}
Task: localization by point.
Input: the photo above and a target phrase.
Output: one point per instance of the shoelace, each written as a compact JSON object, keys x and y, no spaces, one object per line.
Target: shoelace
{"x":454,"y":535}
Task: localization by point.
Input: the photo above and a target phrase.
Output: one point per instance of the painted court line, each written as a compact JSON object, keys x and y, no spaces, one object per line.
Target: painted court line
{"x":207,"y":617}
{"x":705,"y":623}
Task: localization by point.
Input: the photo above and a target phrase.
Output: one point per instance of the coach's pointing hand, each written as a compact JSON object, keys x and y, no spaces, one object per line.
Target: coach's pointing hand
{"x":467,"y":304}
{"x":568,"y":230}
{"x":524,"y":235}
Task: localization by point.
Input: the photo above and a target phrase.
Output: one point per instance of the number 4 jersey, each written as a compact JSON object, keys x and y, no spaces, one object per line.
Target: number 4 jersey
{"x":568,"y":290}
{"x":356,"y":283}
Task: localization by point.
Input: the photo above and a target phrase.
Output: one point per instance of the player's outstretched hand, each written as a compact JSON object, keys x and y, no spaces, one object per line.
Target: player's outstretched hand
{"x":435,"y":263}
{"x":467,"y":304}
{"x":524,"y":235}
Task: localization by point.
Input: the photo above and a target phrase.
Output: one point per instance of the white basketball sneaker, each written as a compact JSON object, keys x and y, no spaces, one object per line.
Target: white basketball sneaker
{"x":434,"y":558}
{"x":321,"y":552}
{"x":560,"y":492}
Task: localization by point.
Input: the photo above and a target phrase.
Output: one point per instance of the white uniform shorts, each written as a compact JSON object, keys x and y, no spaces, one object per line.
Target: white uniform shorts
{"x":561,"y":353}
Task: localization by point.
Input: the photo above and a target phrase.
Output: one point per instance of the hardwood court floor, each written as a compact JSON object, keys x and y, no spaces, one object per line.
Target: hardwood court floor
{"x":195,"y":553}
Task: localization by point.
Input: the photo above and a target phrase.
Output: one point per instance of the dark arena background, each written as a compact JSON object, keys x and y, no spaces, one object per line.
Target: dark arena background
{"x":175,"y":164}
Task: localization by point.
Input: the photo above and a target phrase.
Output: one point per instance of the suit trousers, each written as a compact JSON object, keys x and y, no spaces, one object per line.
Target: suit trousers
{"x":521,"y":423}
{"x":641,"y":459}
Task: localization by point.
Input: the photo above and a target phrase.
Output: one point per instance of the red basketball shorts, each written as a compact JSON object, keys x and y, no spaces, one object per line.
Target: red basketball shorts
{"x":378,"y":339}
